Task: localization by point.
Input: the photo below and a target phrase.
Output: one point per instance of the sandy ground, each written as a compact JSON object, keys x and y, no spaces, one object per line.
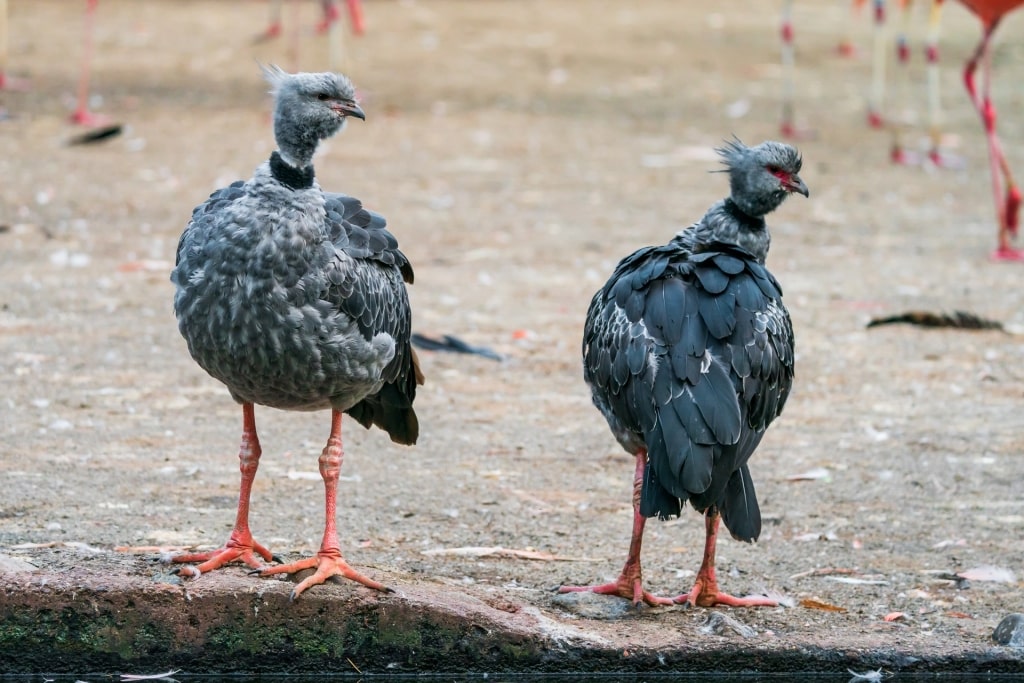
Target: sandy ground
{"x":519,"y":149}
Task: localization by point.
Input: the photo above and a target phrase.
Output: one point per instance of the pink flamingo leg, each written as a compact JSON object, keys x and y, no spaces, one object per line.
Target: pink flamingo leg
{"x":7,"y":82}
{"x":1008,"y":198}
{"x":240,"y":546}
{"x":82,"y":115}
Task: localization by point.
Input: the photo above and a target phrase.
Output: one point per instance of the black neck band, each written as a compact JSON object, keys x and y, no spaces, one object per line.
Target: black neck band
{"x":295,"y":178}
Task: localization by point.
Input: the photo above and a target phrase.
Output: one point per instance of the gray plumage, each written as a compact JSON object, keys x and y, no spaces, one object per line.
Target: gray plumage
{"x":294,"y":297}
{"x":688,"y":349}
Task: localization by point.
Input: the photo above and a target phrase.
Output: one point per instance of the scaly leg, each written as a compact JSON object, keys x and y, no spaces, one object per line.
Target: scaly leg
{"x":629,"y":585}
{"x":240,"y":546}
{"x":705,"y":591}
{"x":1007,"y":199}
{"x":328,"y":561}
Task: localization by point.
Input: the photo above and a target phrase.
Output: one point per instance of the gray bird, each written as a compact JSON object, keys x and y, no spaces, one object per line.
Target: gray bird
{"x":688,"y":352}
{"x":295,"y":299}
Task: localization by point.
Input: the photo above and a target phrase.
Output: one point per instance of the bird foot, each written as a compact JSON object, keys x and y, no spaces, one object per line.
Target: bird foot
{"x":946,"y":160}
{"x":327,"y":564}
{"x":624,"y":588}
{"x":1008,"y":254}
{"x":790,"y":131}
{"x":903,"y":157}
{"x":331,"y":15}
{"x":848,"y":50}
{"x":239,"y":548}
{"x":84,"y":117}
{"x":712,"y":598}
{"x":270,"y":33}
{"x":12,"y":84}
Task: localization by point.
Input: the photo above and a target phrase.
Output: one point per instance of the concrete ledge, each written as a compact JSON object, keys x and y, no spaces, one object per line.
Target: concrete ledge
{"x":228,"y":622}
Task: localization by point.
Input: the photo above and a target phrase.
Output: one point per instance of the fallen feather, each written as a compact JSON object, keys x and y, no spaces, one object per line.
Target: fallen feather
{"x":823,"y":606}
{"x":957,"y":615}
{"x":866,"y":676}
{"x":810,"y":475}
{"x":498,"y":551}
{"x":148,"y":677}
{"x":894,"y":616}
{"x":988,"y":573}
{"x":854,"y":580}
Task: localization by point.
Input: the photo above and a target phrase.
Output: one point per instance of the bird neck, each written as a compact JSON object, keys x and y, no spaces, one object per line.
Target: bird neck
{"x":726,"y":223}
{"x":297,"y":144}
{"x":290,"y":176}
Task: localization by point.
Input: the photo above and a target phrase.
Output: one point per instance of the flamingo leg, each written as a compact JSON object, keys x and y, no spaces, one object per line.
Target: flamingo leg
{"x":240,"y":546}
{"x":82,"y":115}
{"x":7,"y":82}
{"x":1008,"y":196}
{"x":629,"y":585}
{"x":788,"y":126}
{"x":847,"y":47}
{"x":876,"y":97}
{"x":328,"y":561}
{"x":273,"y":29}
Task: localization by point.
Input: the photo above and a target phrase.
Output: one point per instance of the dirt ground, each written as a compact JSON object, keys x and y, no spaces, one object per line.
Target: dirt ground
{"x":518,"y":150}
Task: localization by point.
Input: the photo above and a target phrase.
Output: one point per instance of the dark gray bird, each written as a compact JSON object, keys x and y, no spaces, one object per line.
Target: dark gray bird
{"x":688,"y":352}
{"x":295,"y":299}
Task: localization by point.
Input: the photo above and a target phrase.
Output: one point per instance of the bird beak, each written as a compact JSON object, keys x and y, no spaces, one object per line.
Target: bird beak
{"x":795,"y":184}
{"x":348,"y":108}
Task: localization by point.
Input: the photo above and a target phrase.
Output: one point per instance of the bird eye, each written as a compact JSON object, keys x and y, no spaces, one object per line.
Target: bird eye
{"x":773,"y":169}
{"x":323,"y":97}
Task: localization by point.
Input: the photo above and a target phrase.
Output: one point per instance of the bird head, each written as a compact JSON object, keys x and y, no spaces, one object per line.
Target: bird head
{"x":309,"y":107}
{"x":762,"y":177}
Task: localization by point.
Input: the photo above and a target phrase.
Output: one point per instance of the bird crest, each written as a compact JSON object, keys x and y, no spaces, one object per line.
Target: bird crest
{"x":275,"y":76}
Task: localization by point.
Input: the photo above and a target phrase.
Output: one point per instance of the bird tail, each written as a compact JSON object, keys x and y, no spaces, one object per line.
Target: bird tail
{"x":740,"y":512}
{"x":655,"y":499}
{"x":391,"y":408}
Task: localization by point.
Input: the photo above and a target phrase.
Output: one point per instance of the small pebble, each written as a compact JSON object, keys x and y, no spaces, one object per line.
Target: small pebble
{"x":1010,"y":631}
{"x":721,"y":624}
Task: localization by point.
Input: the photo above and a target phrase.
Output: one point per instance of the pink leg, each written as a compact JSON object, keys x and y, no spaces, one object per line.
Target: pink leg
{"x":1007,"y":199}
{"x":788,"y":126}
{"x":705,"y":591}
{"x":329,"y":561}
{"x":629,"y":585}
{"x":355,"y":14}
{"x":331,"y":14}
{"x":273,"y":29}
{"x":878,"y":59}
{"x":82,"y":115}
{"x":240,"y":546}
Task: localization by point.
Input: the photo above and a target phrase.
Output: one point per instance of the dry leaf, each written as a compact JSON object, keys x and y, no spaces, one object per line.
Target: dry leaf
{"x":823,"y":606}
{"x":894,"y":616}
